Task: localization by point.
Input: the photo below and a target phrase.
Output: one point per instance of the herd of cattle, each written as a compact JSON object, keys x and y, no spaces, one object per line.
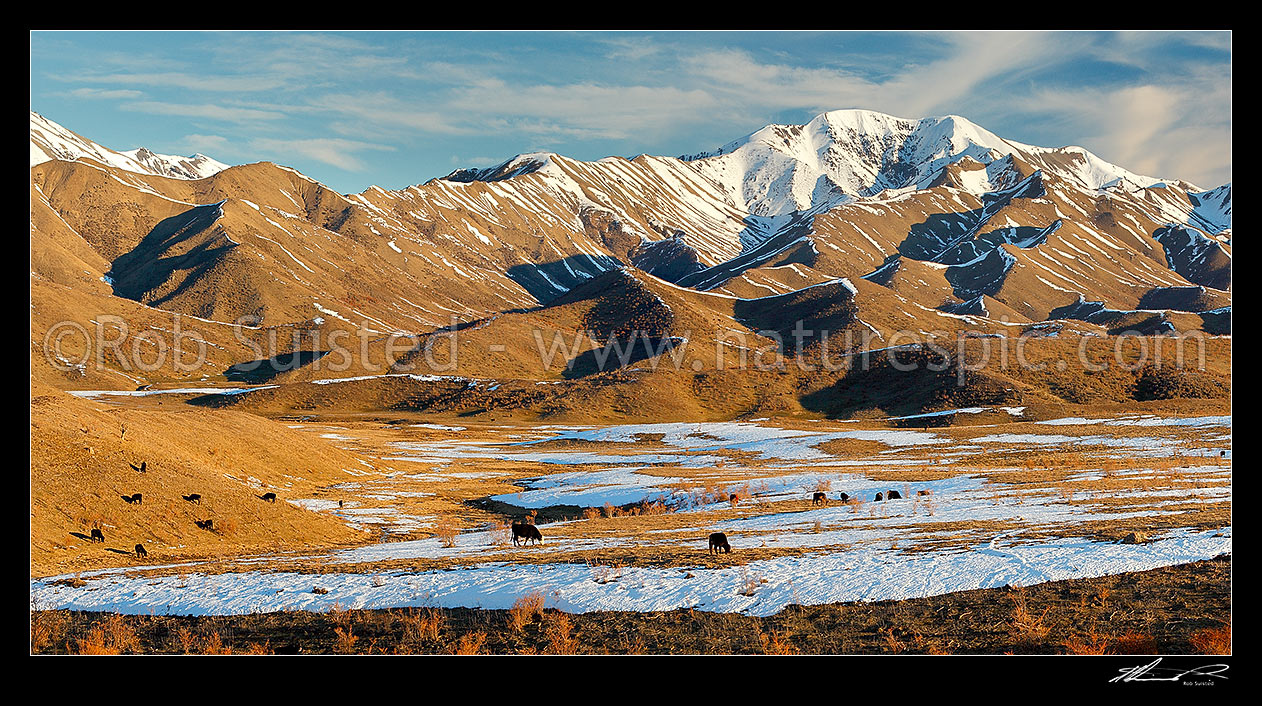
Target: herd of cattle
{"x":822,"y":498}
{"x":720,"y":545}
{"x":97,"y":536}
{"x":523,"y":534}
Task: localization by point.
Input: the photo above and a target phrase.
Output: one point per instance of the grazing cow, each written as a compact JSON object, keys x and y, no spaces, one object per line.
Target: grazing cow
{"x":820,"y":499}
{"x":878,"y":498}
{"x":97,"y":536}
{"x":269,"y":497}
{"x":140,"y":550}
{"x":205,"y":524}
{"x":718,"y":543}
{"x":140,"y":468}
{"x":339,"y":503}
{"x":733,"y":498}
{"x":193,"y":498}
{"x":845,"y":498}
{"x":525,"y":533}
{"x":893,"y":495}
{"x":133,"y":499}
{"x":924,"y":492}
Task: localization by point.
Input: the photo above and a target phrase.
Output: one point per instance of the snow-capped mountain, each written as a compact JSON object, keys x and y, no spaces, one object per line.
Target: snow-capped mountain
{"x":843,"y":155}
{"x":941,"y":216}
{"x":52,"y":141}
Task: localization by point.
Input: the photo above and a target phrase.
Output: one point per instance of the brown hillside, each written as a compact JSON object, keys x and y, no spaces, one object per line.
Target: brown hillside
{"x":80,"y":456}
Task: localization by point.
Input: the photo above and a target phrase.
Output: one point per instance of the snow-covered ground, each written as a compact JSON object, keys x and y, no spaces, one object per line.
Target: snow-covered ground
{"x":685,"y":445}
{"x":173,"y":391}
{"x":758,"y":588}
{"x":968,"y":533}
{"x":768,"y":442}
{"x":1146,"y":420}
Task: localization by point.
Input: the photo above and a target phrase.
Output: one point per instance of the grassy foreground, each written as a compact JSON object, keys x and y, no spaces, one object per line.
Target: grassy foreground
{"x":1182,"y":609}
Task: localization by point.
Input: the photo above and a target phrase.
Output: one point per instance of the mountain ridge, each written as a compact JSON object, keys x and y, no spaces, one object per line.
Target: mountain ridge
{"x":979,"y":234}
{"x":51,"y":141}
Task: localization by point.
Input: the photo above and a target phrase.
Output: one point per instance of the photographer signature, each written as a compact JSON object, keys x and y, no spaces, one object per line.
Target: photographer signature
{"x":1152,"y":672}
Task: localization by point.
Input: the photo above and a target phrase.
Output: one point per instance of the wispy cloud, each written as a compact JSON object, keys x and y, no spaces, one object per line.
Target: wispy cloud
{"x":458,"y":161}
{"x":583,"y":110}
{"x":1155,"y":130}
{"x":938,"y":87}
{"x":210,"y":111}
{"x":380,"y":109}
{"x":332,"y":151}
{"x":192,"y":81}
{"x":631,"y":49}
{"x":979,"y":67}
{"x":104,"y":93}
{"x":209,"y":144}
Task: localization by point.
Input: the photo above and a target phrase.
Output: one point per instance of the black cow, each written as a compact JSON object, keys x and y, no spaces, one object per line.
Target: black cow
{"x":133,"y":499}
{"x":97,"y":536}
{"x":819,"y":499}
{"x":269,"y":497}
{"x":141,"y":468}
{"x":845,"y":498}
{"x":205,"y":524}
{"x":878,"y":498}
{"x":718,"y":543}
{"x":193,"y":498}
{"x":525,"y":533}
{"x":893,"y":495}
{"x":140,"y":550}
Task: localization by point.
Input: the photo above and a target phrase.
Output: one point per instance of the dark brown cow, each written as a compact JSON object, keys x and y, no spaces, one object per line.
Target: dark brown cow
{"x":133,"y":499}
{"x":97,"y":536}
{"x":718,"y":543}
{"x":924,"y":492}
{"x":819,"y":499}
{"x":893,"y":495}
{"x":193,"y":498}
{"x":845,"y":498}
{"x":878,"y":498}
{"x":525,"y":533}
{"x":140,"y":550}
{"x":269,"y":497}
{"x":205,"y":524}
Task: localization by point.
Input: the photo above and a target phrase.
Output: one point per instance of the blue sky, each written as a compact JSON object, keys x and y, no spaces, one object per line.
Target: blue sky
{"x":399,"y":108}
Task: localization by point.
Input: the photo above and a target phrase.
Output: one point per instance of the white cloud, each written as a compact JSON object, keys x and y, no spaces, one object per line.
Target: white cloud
{"x":388,"y":114}
{"x":194,"y":81}
{"x":1162,"y":131}
{"x":458,"y":161}
{"x":582,"y":110}
{"x":209,"y":144}
{"x":104,"y":93}
{"x":204,"y":110}
{"x":334,"y":151}
{"x":944,"y":86}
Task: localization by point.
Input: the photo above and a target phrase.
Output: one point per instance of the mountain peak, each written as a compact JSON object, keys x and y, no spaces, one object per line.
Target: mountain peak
{"x":841,"y":155}
{"x":527,"y":163}
{"x":51,"y":141}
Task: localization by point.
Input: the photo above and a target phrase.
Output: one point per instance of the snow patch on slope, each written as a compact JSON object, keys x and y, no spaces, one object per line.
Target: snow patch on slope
{"x":51,"y":141}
